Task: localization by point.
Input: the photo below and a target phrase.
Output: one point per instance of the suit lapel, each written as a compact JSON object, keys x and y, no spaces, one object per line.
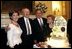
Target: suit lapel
{"x":37,"y":23}
{"x":24,"y":26}
{"x":43,"y":21}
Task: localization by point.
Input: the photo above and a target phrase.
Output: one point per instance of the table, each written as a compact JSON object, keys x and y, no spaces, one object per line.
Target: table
{"x":58,"y":43}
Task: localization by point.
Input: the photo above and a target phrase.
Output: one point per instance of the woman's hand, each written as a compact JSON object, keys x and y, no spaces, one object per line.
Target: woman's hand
{"x":11,"y":45}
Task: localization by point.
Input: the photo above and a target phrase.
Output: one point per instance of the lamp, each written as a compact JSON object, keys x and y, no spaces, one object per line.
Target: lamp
{"x":56,"y":7}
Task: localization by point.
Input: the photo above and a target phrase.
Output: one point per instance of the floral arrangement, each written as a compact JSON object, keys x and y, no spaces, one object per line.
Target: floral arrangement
{"x":42,"y":7}
{"x":56,"y":31}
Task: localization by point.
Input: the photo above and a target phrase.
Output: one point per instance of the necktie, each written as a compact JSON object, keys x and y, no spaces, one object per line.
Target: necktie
{"x":41,"y":24}
{"x":28,"y":28}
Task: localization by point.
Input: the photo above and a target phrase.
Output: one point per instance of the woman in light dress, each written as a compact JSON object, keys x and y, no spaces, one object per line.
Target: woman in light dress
{"x":14,"y":32}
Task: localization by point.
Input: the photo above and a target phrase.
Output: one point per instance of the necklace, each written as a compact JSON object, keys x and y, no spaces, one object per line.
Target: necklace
{"x":15,"y":23}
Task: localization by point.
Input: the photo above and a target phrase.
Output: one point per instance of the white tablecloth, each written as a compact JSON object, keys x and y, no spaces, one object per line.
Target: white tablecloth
{"x":58,"y":43}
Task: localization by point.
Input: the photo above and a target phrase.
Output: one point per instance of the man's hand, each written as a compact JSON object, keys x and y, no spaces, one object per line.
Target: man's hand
{"x":35,"y":41}
{"x":7,"y":28}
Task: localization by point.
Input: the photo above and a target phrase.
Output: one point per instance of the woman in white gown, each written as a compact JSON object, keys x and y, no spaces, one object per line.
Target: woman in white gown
{"x":14,"y":32}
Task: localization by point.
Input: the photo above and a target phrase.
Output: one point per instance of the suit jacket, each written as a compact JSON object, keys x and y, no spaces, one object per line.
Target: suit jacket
{"x":69,"y":27}
{"x":21,"y":22}
{"x":69,"y":30}
{"x":49,"y":30}
{"x":40,"y":33}
{"x":3,"y":38}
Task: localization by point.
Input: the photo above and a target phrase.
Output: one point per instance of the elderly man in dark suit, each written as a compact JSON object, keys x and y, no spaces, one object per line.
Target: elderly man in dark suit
{"x":26,"y":25}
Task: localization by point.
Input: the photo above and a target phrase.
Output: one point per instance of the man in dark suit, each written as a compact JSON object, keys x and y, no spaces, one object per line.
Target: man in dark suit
{"x":40,"y":27}
{"x":69,"y":30}
{"x":26,"y":25}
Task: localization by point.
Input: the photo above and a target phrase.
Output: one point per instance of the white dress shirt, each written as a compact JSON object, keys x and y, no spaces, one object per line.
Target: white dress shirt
{"x":40,"y":20}
{"x":27,"y":20}
{"x":14,"y":35}
{"x":35,"y":46}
